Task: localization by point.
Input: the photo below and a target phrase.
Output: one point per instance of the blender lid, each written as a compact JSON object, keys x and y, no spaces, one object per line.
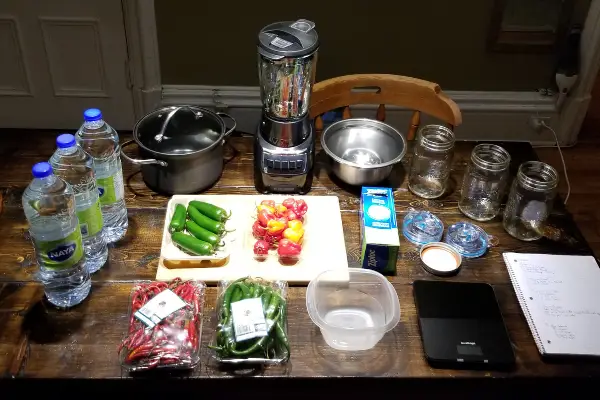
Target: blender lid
{"x":288,"y":39}
{"x":468,"y":239}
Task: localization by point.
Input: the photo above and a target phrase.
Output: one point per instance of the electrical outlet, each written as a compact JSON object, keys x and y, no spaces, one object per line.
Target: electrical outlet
{"x":535,"y":122}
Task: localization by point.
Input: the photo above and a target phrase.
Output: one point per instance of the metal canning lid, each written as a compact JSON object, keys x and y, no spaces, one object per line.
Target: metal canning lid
{"x":422,"y":227}
{"x":288,"y":39}
{"x":440,"y":259}
{"x":468,"y":239}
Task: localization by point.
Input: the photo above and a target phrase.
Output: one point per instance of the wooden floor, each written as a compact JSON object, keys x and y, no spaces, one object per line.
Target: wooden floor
{"x":583,"y":166}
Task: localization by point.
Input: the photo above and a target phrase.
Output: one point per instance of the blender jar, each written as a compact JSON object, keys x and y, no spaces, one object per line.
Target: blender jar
{"x":287,"y":58}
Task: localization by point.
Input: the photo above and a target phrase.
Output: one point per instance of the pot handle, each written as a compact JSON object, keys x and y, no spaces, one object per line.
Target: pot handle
{"x":140,"y":162}
{"x":231,"y":118}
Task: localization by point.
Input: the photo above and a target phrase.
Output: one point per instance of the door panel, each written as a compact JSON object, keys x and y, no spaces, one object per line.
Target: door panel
{"x":59,"y":58}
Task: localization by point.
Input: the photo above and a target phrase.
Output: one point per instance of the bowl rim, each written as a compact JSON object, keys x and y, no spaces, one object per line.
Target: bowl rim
{"x":352,"y":164}
{"x":320,"y":322}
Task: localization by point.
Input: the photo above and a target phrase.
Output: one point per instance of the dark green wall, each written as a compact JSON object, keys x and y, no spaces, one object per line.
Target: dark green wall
{"x":214,"y":43}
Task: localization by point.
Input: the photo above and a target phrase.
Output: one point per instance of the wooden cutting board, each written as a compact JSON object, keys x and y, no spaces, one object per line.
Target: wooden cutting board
{"x":323,"y":246}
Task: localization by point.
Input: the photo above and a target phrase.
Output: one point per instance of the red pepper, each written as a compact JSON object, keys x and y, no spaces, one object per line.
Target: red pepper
{"x":261,"y":248}
{"x":264,"y":216}
{"x":272,"y":239}
{"x":300,"y":208}
{"x":287,"y":248}
{"x":258,"y":231}
{"x":268,"y":203}
{"x":289,"y":203}
{"x":293,"y":216}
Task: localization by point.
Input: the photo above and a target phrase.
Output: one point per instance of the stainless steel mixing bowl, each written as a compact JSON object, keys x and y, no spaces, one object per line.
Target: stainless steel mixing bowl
{"x":363,"y":151}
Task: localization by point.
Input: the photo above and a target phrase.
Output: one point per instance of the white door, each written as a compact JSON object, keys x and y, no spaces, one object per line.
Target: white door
{"x":58,"y":58}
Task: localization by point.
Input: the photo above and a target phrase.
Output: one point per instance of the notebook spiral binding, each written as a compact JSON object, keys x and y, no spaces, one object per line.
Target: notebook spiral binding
{"x":523,"y":303}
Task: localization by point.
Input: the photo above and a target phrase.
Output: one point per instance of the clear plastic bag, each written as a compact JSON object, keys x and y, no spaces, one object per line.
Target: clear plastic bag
{"x":251,"y":322}
{"x":158,"y":337}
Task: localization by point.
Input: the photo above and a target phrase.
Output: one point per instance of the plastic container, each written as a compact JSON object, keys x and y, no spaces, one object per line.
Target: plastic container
{"x":171,"y":253}
{"x":353,"y":311}
{"x":286,"y":248}
{"x":252,"y":322}
{"x":422,"y":227}
{"x":163,"y":336}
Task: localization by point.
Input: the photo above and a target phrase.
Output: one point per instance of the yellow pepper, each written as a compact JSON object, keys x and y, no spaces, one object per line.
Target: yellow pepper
{"x":275,"y":227}
{"x":294,"y":235}
{"x":295,"y":224}
{"x":281,"y":210}
{"x":260,"y":207}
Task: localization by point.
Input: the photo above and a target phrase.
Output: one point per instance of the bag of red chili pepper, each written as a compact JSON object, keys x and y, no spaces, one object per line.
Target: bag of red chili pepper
{"x":252,"y":322}
{"x":165,"y":324}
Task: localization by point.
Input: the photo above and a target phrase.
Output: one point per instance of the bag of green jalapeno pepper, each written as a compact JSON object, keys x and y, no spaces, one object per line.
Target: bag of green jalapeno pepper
{"x":251,"y":322}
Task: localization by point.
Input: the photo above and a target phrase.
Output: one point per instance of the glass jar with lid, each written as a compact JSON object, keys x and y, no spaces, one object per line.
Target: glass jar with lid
{"x":431,"y":161}
{"x":484,"y":182}
{"x":530,"y":200}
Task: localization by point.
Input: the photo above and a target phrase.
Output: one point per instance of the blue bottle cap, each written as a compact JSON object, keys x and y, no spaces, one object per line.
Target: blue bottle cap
{"x":41,"y":170}
{"x":468,"y":239}
{"x":92,"y":114}
{"x":65,"y":141}
{"x":422,"y":227}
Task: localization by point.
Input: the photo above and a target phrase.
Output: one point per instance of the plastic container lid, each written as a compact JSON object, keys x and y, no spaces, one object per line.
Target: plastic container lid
{"x":65,"y":141}
{"x":422,"y":227}
{"x":468,"y":239}
{"x":41,"y":170}
{"x":92,"y":114}
{"x":440,"y":259}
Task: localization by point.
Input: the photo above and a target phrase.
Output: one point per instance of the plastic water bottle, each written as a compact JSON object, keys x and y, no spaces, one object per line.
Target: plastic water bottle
{"x":76,"y":167}
{"x":101,"y":141}
{"x":49,"y":206}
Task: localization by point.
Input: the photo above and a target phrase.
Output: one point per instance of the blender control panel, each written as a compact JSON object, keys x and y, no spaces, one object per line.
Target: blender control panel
{"x":284,"y":164}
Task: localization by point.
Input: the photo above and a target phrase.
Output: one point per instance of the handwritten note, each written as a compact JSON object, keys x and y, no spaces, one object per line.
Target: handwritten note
{"x":560,"y":296}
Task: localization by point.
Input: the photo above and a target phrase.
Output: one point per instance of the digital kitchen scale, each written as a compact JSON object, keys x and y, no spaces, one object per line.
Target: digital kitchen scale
{"x":461,"y":326}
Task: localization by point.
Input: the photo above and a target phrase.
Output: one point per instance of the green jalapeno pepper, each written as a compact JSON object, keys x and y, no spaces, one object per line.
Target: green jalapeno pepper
{"x":206,"y":222}
{"x":203,"y":234}
{"x":178,"y":219}
{"x":191,"y":244}
{"x":210,"y":210}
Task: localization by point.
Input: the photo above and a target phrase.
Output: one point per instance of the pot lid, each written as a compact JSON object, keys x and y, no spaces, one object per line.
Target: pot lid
{"x":179,"y":130}
{"x":468,"y":239}
{"x":422,"y":227}
{"x":288,"y":39}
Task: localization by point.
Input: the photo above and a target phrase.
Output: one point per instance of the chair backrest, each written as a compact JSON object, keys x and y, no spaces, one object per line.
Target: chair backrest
{"x":415,"y":94}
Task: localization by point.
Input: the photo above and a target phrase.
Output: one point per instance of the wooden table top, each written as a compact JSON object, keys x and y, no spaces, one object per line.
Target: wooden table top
{"x":37,"y":340}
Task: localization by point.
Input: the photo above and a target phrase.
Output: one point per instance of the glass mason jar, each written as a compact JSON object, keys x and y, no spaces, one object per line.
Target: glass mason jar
{"x":431,"y":161}
{"x":530,"y":200}
{"x":484,"y":182}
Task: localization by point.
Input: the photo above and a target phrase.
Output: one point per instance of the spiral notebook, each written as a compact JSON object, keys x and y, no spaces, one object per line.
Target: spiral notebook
{"x":560,"y":297}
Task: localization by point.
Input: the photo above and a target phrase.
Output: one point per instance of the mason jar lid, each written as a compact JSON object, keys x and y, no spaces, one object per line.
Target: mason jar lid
{"x":288,"y":39}
{"x":440,"y":259}
{"x":468,"y":239}
{"x":422,"y":227}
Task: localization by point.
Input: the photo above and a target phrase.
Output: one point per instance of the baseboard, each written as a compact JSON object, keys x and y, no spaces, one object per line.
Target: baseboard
{"x":492,"y":116}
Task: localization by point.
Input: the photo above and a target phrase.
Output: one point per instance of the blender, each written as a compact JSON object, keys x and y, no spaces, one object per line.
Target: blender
{"x":284,"y":145}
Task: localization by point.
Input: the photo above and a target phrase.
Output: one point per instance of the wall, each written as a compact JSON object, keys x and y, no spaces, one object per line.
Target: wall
{"x":214,"y":43}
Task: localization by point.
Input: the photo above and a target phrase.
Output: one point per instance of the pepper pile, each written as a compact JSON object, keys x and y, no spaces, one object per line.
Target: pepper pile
{"x":173,"y":342}
{"x":275,"y":345}
{"x":205,"y":227}
{"x":279,"y":226}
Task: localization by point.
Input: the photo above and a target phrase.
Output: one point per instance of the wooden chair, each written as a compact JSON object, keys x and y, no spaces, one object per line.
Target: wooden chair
{"x":415,"y":94}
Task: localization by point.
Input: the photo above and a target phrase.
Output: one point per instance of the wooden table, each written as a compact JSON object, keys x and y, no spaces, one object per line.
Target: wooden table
{"x":37,"y":340}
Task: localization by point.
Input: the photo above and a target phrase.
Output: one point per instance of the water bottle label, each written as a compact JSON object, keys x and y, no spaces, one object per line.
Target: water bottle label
{"x":106,"y":190}
{"x":90,"y":220}
{"x":64,"y":253}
